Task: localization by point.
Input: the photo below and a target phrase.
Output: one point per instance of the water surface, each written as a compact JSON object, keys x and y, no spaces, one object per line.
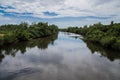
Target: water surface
{"x":59,"y":57}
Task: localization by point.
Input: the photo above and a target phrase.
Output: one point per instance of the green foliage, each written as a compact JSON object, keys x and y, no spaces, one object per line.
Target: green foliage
{"x":24,"y":32}
{"x":107,"y":41}
{"x":116,"y":45}
{"x":22,"y":35}
{"x":94,"y":36}
{"x":9,"y":38}
{"x":106,"y":35}
{"x":1,"y":40}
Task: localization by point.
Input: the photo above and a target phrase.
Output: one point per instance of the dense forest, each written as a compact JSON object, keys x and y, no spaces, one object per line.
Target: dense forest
{"x":12,"y":33}
{"x":106,"y":35}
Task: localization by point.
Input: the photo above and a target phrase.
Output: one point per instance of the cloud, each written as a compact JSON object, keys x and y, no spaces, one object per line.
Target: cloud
{"x":64,"y":8}
{"x":92,"y":10}
{"x":2,"y":18}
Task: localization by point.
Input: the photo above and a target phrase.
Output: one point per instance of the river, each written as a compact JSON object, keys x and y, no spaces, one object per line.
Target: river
{"x":60,"y":57}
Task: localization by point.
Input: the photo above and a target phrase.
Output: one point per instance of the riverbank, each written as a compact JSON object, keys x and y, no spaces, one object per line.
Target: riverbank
{"x":12,"y":33}
{"x":106,"y":35}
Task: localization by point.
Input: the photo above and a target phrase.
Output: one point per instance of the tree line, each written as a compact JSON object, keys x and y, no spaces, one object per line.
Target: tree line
{"x":106,"y":35}
{"x":11,"y":33}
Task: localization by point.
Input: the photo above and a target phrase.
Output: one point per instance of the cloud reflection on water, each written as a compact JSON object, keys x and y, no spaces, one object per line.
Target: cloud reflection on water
{"x":67,"y":59}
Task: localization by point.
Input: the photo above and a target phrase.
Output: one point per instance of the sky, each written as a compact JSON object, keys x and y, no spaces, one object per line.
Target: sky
{"x":63,"y":13}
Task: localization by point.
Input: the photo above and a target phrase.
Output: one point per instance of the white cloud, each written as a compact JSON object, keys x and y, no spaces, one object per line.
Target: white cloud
{"x":64,"y":8}
{"x":2,"y":18}
{"x":6,"y":20}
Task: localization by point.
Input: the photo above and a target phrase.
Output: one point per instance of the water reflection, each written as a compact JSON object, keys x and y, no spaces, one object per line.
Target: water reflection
{"x":96,"y":48}
{"x":12,"y":49}
{"x":60,"y":57}
{"x":110,"y":54}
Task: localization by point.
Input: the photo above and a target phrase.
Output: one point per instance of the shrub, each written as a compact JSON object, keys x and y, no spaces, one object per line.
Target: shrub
{"x":23,"y":35}
{"x":107,"y":41}
{"x":1,"y":40}
{"x":116,"y":45}
{"x":9,"y":38}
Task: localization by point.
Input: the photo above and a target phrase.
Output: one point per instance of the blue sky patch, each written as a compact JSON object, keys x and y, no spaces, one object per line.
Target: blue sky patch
{"x":50,"y":13}
{"x":6,"y":7}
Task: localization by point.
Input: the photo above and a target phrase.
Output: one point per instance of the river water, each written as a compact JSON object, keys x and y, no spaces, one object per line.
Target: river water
{"x":59,"y":57}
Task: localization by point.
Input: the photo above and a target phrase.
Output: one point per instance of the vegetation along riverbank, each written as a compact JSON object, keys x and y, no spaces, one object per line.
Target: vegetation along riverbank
{"x":12,"y":33}
{"x":106,"y":35}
